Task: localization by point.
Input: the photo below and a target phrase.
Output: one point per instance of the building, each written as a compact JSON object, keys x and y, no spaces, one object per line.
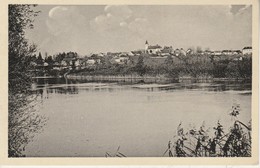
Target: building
{"x":122,"y":59}
{"x":217,"y":53}
{"x":177,"y":52}
{"x":149,"y":49}
{"x":183,"y":52}
{"x":236,"y":52}
{"x":166,"y":51}
{"x":137,"y":52}
{"x":227,"y":52}
{"x":247,"y":50}
{"x":189,"y":51}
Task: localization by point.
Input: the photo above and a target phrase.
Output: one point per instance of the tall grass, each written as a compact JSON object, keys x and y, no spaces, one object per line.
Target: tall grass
{"x":236,"y":142}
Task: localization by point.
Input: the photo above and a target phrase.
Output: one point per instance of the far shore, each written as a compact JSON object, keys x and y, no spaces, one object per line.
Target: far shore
{"x":148,"y":78}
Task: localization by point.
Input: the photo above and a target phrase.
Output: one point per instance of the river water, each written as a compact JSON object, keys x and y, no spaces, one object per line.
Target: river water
{"x":88,"y":119}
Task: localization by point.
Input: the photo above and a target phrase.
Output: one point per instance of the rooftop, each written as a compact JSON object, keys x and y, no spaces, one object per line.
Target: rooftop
{"x":154,"y":47}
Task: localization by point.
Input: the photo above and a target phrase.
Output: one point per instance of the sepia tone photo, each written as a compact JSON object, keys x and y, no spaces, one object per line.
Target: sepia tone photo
{"x":128,"y":81}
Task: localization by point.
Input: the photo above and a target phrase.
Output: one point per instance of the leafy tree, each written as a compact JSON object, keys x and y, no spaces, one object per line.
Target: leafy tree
{"x":198,"y":49}
{"x":22,"y":121}
{"x":49,"y":60}
{"x":220,"y":68}
{"x":59,"y":57}
{"x":140,"y":67}
{"x":168,"y":61}
{"x":19,"y":50}
{"x":245,"y":67}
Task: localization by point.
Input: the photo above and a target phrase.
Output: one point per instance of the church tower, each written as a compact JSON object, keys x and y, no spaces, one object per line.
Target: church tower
{"x":146,"y":47}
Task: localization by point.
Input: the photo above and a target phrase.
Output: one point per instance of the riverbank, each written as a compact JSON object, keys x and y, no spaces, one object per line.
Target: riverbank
{"x":159,"y":78}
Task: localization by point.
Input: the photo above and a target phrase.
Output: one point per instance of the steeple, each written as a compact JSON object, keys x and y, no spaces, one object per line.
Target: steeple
{"x":146,"y":47}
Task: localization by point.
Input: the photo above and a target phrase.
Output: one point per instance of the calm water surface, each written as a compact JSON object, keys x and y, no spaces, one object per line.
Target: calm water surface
{"x":91,"y":118}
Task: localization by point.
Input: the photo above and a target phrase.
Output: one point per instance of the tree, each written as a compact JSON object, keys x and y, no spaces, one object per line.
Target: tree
{"x":19,"y":51}
{"x":168,"y":61}
{"x":140,"y":67}
{"x":198,"y":49}
{"x":22,"y":121}
{"x":50,"y":62}
{"x":60,"y":57}
{"x":40,"y":59}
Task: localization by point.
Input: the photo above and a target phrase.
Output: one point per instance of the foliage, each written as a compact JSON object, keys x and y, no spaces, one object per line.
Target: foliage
{"x":116,"y":154}
{"x":236,"y":142}
{"x":20,"y":52}
{"x":174,"y":67}
{"x":23,"y":121}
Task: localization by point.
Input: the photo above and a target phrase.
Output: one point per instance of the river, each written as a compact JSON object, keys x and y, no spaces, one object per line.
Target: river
{"x":90,"y":118}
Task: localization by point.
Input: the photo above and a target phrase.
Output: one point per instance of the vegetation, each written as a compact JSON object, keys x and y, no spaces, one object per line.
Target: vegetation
{"x":195,"y":66}
{"x":23,"y":121}
{"x":116,"y":154}
{"x":236,"y":142}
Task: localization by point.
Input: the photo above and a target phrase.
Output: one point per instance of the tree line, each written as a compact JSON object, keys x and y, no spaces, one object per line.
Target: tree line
{"x":170,"y":68}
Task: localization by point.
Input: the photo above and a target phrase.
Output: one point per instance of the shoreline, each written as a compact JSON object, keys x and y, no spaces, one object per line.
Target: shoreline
{"x":148,"y":78}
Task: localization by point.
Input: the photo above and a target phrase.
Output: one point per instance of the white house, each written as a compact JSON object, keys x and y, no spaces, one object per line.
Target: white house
{"x":227,"y":52}
{"x":247,"y":50}
{"x":91,"y":61}
{"x":217,"y":52}
{"x":121,"y":59}
{"x":149,"y":49}
{"x":177,"y":52}
{"x":183,"y":52}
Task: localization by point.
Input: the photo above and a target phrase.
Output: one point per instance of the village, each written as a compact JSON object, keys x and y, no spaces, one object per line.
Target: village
{"x":154,"y":55}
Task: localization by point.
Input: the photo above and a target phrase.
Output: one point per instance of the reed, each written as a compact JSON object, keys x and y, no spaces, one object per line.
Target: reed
{"x":236,"y":142}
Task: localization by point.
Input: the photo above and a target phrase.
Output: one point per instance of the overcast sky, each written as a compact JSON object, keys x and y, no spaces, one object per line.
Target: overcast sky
{"x":97,"y":28}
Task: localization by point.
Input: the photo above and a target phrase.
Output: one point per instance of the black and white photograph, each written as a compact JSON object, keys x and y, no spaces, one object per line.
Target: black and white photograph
{"x":126,"y":80}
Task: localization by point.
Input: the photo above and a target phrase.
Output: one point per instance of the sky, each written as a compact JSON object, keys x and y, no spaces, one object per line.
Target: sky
{"x":98,"y":28}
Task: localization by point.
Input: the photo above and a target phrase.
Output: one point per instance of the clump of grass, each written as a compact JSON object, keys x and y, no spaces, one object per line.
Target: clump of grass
{"x":236,"y":142}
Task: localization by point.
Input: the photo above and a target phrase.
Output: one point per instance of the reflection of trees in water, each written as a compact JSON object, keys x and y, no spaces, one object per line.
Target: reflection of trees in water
{"x":64,"y":90}
{"x":44,"y":92}
{"x":73,"y":86}
{"x":24,"y":122}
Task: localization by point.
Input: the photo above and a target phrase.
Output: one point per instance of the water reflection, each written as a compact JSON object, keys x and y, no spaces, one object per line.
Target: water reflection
{"x":65,"y":86}
{"x":50,"y":85}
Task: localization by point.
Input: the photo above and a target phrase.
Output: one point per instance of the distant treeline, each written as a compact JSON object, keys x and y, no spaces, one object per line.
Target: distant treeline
{"x":173,"y":67}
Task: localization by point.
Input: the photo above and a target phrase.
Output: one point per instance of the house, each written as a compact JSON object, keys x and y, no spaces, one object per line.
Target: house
{"x":130,"y":54}
{"x":189,"y":51}
{"x":68,"y":60}
{"x":227,"y":52}
{"x":217,"y":53}
{"x":63,"y":63}
{"x":182,"y":52}
{"x":122,"y":59}
{"x":207,"y":52}
{"x":247,"y":50}
{"x":100,"y":54}
{"x":177,"y":52}
{"x":77,"y":62}
{"x":166,"y":51}
{"x":149,"y":49}
{"x":91,"y":61}
{"x":137,"y":52}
